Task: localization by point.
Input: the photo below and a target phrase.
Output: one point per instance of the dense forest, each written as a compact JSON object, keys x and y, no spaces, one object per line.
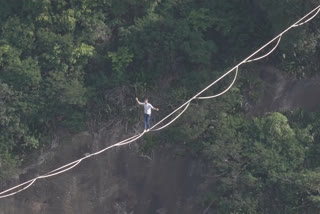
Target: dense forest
{"x":75,"y":64}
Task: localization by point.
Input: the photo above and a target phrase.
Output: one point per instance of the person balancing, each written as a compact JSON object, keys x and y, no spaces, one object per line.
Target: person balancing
{"x":147,"y":112}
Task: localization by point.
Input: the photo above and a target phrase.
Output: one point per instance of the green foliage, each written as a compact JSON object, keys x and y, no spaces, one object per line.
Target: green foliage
{"x":239,"y":25}
{"x":8,"y":56}
{"x":279,"y":148}
{"x":149,"y":143}
{"x":82,"y":53}
{"x":15,"y":135}
{"x":252,"y":155}
{"x":74,"y":93}
{"x":8,"y":165}
{"x":68,"y":91}
{"x":23,"y":75}
{"x":18,"y":34}
{"x":120,"y":61}
{"x":200,"y":19}
{"x":308,"y":122}
{"x":75,"y":121}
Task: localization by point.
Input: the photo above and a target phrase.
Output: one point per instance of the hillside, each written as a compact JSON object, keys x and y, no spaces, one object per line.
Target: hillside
{"x":69,"y":74}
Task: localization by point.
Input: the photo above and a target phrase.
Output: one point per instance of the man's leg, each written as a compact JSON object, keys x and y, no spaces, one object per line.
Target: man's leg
{"x":145,"y":121}
{"x":148,"y":121}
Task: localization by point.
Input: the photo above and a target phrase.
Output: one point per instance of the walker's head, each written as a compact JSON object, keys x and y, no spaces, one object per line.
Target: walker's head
{"x":146,"y":101}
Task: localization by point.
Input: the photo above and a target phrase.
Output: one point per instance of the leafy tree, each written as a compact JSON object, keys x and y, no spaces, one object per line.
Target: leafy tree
{"x":120,"y":60}
{"x":18,"y":34}
{"x":252,"y":156}
{"x":15,"y":136}
{"x":200,"y":19}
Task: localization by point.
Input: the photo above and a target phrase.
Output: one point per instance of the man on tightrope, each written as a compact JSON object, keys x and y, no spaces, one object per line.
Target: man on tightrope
{"x":147,"y":112}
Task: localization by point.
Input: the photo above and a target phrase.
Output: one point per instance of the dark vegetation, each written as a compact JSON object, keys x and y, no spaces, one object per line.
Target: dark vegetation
{"x":59,"y":59}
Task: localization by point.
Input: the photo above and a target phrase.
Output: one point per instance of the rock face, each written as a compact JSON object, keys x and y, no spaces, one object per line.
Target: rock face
{"x":118,"y":181}
{"x":284,"y":93}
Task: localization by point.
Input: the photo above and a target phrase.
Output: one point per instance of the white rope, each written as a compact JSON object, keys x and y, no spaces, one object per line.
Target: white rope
{"x":131,"y":139}
{"x":302,"y":23}
{"x":121,"y":143}
{"x":217,"y":95}
{"x":62,"y":168}
{"x":74,"y":164}
{"x":16,"y":192}
{"x":267,"y":54}
{"x":162,"y":127}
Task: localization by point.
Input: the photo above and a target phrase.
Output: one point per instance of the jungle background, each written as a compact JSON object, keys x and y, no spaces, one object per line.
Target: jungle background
{"x":74,"y":66}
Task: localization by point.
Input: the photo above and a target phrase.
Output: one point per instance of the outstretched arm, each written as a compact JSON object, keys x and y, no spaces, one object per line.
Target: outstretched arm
{"x":140,"y":103}
{"x":154,"y":108}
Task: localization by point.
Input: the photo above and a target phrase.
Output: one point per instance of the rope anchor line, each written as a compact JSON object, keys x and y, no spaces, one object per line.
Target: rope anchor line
{"x":267,"y":54}
{"x":61,"y":169}
{"x":27,"y":183}
{"x":73,"y":164}
{"x":223,"y":92}
{"x":309,"y":19}
{"x":162,"y":127}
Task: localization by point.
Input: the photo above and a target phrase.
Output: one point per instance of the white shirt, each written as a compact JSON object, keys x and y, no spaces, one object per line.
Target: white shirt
{"x":147,"y":108}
